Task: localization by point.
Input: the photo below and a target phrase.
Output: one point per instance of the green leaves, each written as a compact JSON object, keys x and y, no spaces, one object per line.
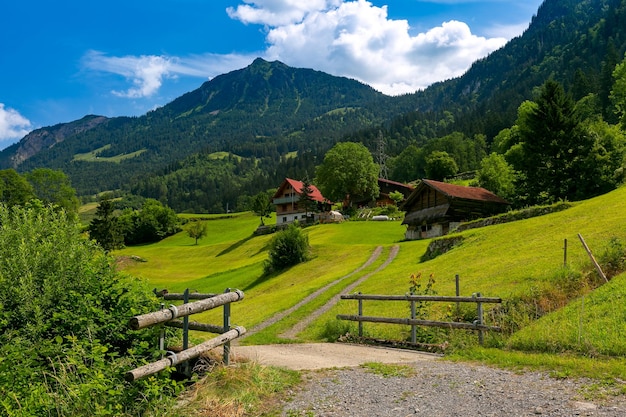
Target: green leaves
{"x":63,"y":315}
{"x":287,"y":248}
{"x":348,"y":171}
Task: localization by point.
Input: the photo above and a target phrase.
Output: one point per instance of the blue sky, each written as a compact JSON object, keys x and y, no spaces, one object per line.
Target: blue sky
{"x":63,"y":60}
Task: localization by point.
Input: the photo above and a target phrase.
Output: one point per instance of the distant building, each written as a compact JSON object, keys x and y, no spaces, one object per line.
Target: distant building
{"x":385,"y":187}
{"x":289,"y":207}
{"x":436,"y":208}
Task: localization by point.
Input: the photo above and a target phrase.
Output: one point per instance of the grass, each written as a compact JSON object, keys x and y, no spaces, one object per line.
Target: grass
{"x":92,"y":156}
{"x":508,"y":260}
{"x":389,"y":370}
{"x":563,"y":365}
{"x":246,"y":389}
{"x":514,"y":261}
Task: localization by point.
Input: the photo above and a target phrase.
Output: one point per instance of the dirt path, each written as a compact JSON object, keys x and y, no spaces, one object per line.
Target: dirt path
{"x":291,"y":333}
{"x":279,"y":316}
{"x":313,"y":356}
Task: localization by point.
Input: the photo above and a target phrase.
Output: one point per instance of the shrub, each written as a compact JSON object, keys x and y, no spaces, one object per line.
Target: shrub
{"x":64,"y":339}
{"x":287,"y":248}
{"x":613,"y":257}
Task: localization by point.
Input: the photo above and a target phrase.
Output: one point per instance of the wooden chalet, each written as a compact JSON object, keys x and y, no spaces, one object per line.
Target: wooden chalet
{"x":435,"y":208}
{"x":385,"y":187}
{"x":288,"y":205}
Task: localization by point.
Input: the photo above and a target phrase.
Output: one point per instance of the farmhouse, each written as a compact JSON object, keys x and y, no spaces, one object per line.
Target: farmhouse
{"x":436,"y":208}
{"x":289,"y":207}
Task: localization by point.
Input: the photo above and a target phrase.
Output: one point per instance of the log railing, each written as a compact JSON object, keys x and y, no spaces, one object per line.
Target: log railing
{"x":168,"y":316}
{"x":477,"y":325}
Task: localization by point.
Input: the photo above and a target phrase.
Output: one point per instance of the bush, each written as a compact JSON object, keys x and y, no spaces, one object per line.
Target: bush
{"x":613,"y":257}
{"x":287,"y":248}
{"x":64,"y":339}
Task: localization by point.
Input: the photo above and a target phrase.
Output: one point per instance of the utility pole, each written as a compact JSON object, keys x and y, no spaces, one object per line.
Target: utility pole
{"x":381,"y":157}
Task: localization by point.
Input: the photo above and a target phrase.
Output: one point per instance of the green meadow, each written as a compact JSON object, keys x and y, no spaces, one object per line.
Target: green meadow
{"x":517,"y":260}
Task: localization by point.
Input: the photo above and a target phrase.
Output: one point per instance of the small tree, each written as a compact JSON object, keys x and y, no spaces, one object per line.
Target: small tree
{"x":396,"y":197}
{"x":262,"y":206}
{"x":287,"y":248}
{"x":197,"y":230}
{"x":104,"y":228}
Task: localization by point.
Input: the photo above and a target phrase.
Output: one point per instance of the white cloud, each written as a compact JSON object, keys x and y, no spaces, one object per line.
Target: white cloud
{"x":346,"y":38}
{"x":358,"y":40}
{"x":278,"y":12}
{"x":147,"y":72}
{"x":12,"y":125}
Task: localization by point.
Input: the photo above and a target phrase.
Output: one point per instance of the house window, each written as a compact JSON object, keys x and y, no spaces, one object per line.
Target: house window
{"x":304,"y":216}
{"x":284,"y":219}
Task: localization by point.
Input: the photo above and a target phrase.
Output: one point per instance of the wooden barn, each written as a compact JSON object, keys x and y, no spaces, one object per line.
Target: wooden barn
{"x":385,"y":188}
{"x":435,"y":208}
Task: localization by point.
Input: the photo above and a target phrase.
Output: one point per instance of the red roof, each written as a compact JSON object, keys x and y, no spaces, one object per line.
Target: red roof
{"x":316,"y":195}
{"x":468,"y":193}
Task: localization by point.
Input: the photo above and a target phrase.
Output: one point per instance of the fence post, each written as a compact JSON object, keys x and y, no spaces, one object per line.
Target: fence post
{"x":458,"y":294}
{"x":360,"y":314}
{"x":186,"y":333}
{"x":162,"y":336}
{"x":479,"y":307}
{"x":186,"y":322}
{"x":227,"y":328}
{"x":413,"y":327}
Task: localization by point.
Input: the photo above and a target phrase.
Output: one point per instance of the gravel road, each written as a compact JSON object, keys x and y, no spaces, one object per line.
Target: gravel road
{"x":441,"y":388}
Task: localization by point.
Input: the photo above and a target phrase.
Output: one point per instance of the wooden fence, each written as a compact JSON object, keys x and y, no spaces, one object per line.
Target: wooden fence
{"x":168,"y":317}
{"x":477,"y":325}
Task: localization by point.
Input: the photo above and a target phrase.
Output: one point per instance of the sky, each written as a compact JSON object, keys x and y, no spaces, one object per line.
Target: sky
{"x":62,"y":60}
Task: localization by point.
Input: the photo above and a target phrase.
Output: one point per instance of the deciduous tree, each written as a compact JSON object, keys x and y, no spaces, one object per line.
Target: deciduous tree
{"x":497,"y":176}
{"x":440,"y":165}
{"x":348,"y":171}
{"x":262,"y":206}
{"x":53,"y":187}
{"x":197,"y":230}
{"x":14,"y":189}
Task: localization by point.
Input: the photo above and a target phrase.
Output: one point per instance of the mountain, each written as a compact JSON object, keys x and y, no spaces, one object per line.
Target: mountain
{"x":263,"y":109}
{"x":576,"y":42}
{"x":45,"y":138}
{"x":274,"y":121}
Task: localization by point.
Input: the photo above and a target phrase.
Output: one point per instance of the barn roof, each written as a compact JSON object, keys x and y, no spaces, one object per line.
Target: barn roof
{"x":467,"y":193}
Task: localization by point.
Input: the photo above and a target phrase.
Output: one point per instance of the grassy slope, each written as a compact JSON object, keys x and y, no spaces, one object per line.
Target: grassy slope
{"x":503,"y":260}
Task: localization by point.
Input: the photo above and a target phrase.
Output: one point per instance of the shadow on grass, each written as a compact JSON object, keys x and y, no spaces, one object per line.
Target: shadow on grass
{"x":265,"y":276}
{"x":235,"y":246}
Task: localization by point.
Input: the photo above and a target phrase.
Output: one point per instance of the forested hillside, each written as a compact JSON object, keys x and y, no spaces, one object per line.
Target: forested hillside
{"x":275,"y":121}
{"x":577,"y":43}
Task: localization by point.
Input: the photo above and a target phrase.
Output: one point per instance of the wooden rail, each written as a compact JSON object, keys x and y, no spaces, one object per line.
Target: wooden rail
{"x":168,"y":316}
{"x":477,"y":325}
{"x":185,"y":355}
{"x":161,"y":316}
